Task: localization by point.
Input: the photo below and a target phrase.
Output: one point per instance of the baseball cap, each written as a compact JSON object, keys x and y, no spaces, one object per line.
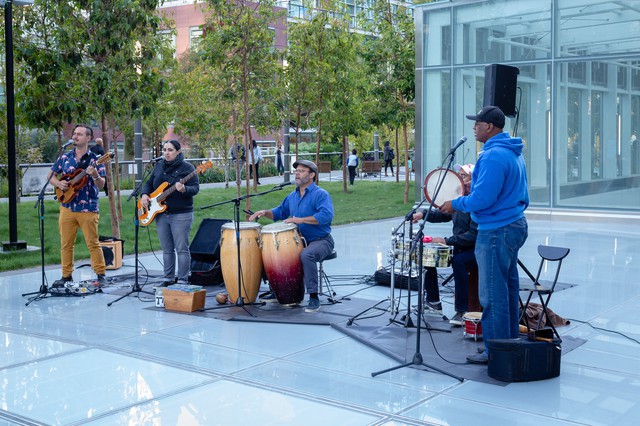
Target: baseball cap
{"x":467,"y":168}
{"x":308,"y":164}
{"x":490,"y":114}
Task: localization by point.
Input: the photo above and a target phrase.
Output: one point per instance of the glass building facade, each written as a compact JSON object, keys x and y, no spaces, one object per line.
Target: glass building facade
{"x":577,"y":104}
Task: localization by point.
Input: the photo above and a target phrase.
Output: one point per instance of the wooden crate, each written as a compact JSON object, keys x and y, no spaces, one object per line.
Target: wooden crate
{"x":184,"y":301}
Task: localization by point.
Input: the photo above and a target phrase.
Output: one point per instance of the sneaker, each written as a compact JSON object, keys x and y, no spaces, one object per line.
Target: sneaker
{"x":457,"y":319}
{"x":481,"y":358}
{"x":67,"y":279}
{"x":433,"y":307}
{"x":268,"y":297}
{"x":313,"y":305}
{"x":102,"y":280}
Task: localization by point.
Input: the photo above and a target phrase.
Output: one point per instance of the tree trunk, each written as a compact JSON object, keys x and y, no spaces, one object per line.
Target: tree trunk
{"x":115,"y":225}
{"x":406,"y":163}
{"x":345,"y":155}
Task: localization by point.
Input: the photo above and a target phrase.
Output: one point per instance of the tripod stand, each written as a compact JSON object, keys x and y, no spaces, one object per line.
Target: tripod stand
{"x":417,"y":241}
{"x":44,"y":289}
{"x":136,"y":222}
{"x":240,"y":302}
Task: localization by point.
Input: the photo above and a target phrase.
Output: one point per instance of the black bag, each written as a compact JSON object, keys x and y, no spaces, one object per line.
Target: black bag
{"x":522,"y":360}
{"x":392,"y":154}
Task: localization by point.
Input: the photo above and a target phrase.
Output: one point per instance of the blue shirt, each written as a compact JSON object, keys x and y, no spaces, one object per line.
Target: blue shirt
{"x":87,"y":198}
{"x":316,"y":202}
{"x":499,"y":191}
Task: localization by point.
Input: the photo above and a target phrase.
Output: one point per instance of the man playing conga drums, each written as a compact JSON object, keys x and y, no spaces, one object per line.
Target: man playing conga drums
{"x":311,"y":209}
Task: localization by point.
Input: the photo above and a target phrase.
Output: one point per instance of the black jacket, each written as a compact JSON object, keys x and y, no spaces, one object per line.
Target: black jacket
{"x":177,"y":202}
{"x":465,"y":230}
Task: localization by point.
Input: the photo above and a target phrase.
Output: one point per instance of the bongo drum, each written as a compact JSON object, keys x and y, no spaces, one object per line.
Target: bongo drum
{"x":281,"y":248}
{"x":444,"y":256}
{"x":452,"y":186}
{"x":430,"y":255}
{"x":472,"y":325}
{"x":250,"y":260}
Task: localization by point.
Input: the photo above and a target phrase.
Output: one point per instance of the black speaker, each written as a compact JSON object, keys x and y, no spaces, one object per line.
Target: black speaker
{"x":500,"y":82}
{"x":205,"y":253}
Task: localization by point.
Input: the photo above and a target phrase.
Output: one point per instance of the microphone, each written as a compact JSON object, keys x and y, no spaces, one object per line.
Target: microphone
{"x":283,"y":184}
{"x":153,"y":160}
{"x":67,"y":144}
{"x":460,"y":142}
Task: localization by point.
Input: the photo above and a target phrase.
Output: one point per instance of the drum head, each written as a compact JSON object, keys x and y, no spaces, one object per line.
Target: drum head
{"x":452,"y":186}
{"x":278,"y":227}
{"x":242,"y":225}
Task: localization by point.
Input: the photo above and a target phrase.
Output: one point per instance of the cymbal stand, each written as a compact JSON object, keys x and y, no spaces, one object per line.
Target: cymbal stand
{"x":136,"y":286}
{"x":236,"y":219}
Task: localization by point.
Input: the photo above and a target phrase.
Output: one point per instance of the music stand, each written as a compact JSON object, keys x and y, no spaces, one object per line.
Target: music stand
{"x":136,"y":222}
{"x":236,"y":221}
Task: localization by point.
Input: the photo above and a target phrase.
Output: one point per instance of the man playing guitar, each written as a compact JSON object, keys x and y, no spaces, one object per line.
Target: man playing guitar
{"x":82,"y":211}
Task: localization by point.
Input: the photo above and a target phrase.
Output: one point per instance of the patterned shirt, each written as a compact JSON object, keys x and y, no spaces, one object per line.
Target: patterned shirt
{"x":87,"y":198}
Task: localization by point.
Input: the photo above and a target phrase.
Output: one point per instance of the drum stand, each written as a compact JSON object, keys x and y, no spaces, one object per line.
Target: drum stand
{"x":136,"y":286}
{"x":236,"y":220}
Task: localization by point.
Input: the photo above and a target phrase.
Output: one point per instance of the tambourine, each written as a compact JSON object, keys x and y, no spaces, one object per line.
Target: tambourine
{"x":452,"y":186}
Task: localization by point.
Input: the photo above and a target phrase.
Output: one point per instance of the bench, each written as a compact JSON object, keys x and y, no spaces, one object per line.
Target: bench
{"x":370,"y":167}
{"x":324,"y":166}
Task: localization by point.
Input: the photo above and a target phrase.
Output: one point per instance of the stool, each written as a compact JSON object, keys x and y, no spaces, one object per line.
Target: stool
{"x":322,"y":277}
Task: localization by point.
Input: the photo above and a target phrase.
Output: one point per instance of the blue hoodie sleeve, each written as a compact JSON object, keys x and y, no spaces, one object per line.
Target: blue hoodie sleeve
{"x":486,"y":185}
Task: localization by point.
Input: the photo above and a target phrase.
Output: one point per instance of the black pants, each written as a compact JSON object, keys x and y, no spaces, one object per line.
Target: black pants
{"x":257,"y":167}
{"x":352,"y":174}
{"x":388,"y":163}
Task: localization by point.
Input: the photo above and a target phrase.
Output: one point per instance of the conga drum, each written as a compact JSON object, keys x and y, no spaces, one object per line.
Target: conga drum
{"x":281,"y":248}
{"x":250,"y":260}
{"x":450,"y":183}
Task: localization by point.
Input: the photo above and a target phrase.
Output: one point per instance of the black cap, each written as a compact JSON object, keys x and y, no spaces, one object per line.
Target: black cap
{"x":490,"y":114}
{"x":308,"y":164}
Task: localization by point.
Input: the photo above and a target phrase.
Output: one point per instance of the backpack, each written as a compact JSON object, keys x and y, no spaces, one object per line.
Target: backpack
{"x":392,"y":154}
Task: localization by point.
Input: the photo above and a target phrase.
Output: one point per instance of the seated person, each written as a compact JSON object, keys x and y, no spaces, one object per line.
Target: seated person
{"x":311,"y":209}
{"x":463,"y":241}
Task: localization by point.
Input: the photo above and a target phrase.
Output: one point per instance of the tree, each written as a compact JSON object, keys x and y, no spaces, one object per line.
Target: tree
{"x":99,"y":61}
{"x":239,"y":49}
{"x":390,"y":56}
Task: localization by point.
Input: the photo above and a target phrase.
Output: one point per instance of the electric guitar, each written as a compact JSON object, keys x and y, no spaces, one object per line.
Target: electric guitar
{"x":77,"y":180}
{"x":157,"y":197}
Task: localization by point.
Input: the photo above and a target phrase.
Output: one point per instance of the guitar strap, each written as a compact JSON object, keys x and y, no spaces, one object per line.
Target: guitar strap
{"x":84,"y":162}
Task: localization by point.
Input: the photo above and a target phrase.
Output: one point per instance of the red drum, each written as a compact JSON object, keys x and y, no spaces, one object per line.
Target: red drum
{"x":281,"y":248}
{"x":472,"y":325}
{"x":452,"y":186}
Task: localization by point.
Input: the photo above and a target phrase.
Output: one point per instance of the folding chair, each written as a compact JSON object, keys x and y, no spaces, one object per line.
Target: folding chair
{"x":547,"y":254}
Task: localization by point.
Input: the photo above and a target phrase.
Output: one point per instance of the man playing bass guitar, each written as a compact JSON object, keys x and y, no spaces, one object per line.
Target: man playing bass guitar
{"x":81,"y":210}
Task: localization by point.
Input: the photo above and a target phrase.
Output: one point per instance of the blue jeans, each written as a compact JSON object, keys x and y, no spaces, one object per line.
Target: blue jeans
{"x":462,"y":262}
{"x":498,"y":280}
{"x":173,"y":233}
{"x":314,"y":252}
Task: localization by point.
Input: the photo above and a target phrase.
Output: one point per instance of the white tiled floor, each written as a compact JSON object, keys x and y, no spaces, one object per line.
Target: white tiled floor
{"x":79,"y":361}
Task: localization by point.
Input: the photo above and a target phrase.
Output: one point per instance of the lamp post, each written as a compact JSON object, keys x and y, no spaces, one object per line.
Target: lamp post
{"x":13,"y":243}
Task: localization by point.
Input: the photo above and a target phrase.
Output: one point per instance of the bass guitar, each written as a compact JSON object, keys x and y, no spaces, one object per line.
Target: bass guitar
{"x":77,"y":180}
{"x":157,"y":197}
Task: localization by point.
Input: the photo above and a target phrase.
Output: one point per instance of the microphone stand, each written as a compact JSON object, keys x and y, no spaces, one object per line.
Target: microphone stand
{"x":44,"y":289}
{"x":136,"y":222}
{"x":418,"y":241}
{"x":236,"y":219}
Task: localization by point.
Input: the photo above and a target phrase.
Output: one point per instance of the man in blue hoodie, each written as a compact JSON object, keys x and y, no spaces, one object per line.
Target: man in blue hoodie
{"x":497,"y":201}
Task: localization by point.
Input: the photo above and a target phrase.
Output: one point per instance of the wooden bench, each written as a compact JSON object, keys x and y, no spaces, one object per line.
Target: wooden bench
{"x":370,"y":167}
{"x":324,"y":166}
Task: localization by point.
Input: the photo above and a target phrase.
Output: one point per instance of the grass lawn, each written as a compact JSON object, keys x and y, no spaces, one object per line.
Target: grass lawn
{"x":366,"y":200}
